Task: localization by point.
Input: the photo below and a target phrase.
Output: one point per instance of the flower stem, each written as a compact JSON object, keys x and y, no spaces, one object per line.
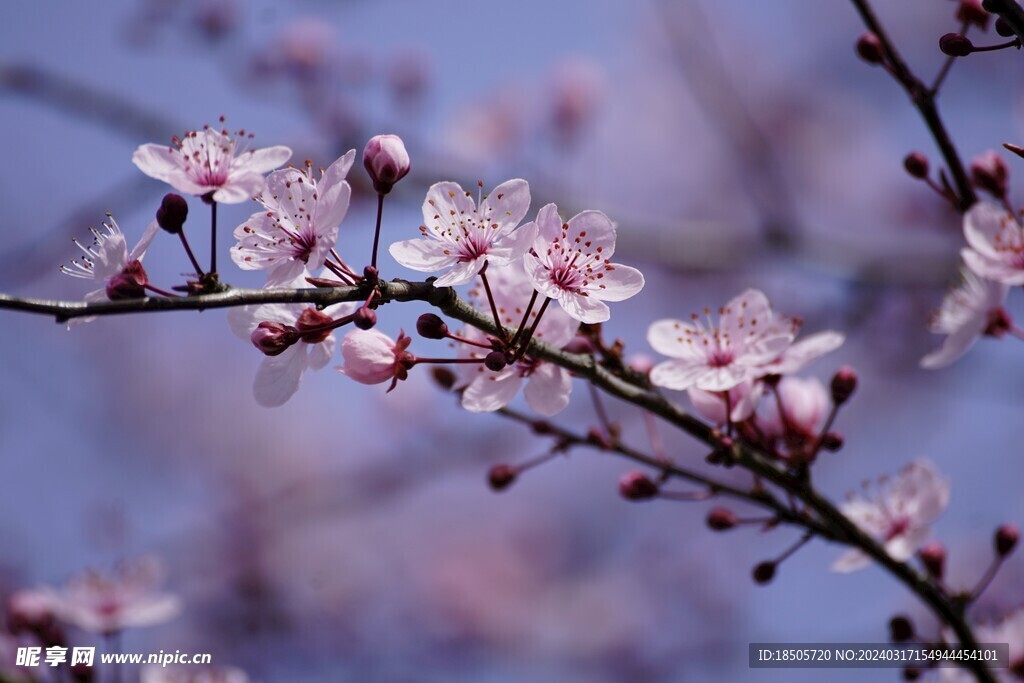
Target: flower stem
{"x":213,"y":237}
{"x":533,"y":328}
{"x":376,"y":232}
{"x":188,"y":250}
{"x":494,"y":306}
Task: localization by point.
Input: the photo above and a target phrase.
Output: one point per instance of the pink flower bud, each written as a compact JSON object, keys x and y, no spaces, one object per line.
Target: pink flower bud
{"x":722,"y":519}
{"x":500,"y":477}
{"x":1006,"y":539}
{"x":172,"y":213}
{"x":310,"y":325}
{"x":637,"y":486}
{"x":933,"y":557}
{"x":273,"y":338}
{"x":764,"y":572}
{"x":130,"y":283}
{"x":971,"y":12}
{"x":869,"y":47}
{"x":372,"y":357}
{"x":365,"y":318}
{"x":844,"y":383}
{"x":989,"y":173}
{"x":640,"y":363}
{"x":916,"y":165}
{"x":579,"y":344}
{"x":430,"y":326}
{"x":956,"y":45}
{"x":386,"y":160}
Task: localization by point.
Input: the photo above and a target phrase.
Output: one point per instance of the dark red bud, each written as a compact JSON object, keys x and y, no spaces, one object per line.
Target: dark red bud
{"x":911,"y":673}
{"x":365,"y":318}
{"x":722,"y":519}
{"x":308,"y":324}
{"x":832,"y":441}
{"x":273,"y":338}
{"x":916,"y":165}
{"x":1006,"y":539}
{"x":869,"y":47}
{"x":500,"y":477}
{"x":956,"y":45}
{"x":431,"y":326}
{"x":990,"y":173}
{"x":444,"y":377}
{"x":933,"y":557}
{"x":764,"y":572}
{"x":901,"y":629}
{"x":1003,"y":27}
{"x":844,"y":383}
{"x":130,"y":283}
{"x":637,"y":486}
{"x":496,"y":361}
{"x":172,"y":213}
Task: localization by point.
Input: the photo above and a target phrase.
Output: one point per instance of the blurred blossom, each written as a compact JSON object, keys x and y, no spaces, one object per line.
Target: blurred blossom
{"x":995,"y":243}
{"x":971,"y":309}
{"x":1009,"y":630}
{"x":576,"y":89}
{"x":410,"y":75}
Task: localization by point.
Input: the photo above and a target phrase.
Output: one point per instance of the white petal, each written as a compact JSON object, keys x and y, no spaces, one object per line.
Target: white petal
{"x":801,"y":353}
{"x":850,"y":561}
{"x":618,"y":283}
{"x":677,"y":374}
{"x":547,"y":391}
{"x":594,"y":227}
{"x":514,"y":245}
{"x":261,"y":161}
{"x":983,"y":223}
{"x":992,"y":269}
{"x":238,"y":189}
{"x":955,"y":345}
{"x":461,"y":273}
{"x":143,"y":244}
{"x":723,"y":378}
{"x":668,"y":337}
{"x":586,"y":309}
{"x":491,"y":391}
{"x":320,"y":354}
{"x":279,"y":377}
{"x":422,"y":254}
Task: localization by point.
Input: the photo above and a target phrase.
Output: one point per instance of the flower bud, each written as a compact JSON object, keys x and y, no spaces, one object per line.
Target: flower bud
{"x":721,"y":519}
{"x":82,"y":673}
{"x":640,"y":363}
{"x":273,"y":338}
{"x":1003,"y":27}
{"x":916,"y":165}
{"x":901,"y":629}
{"x":130,"y":283}
{"x":431,"y":326}
{"x":500,"y":477}
{"x":844,"y":383}
{"x":933,"y":557}
{"x":444,"y":377}
{"x":764,"y":572}
{"x":911,"y":673}
{"x":971,"y":12}
{"x":386,"y":160}
{"x":371,"y":274}
{"x":365,"y":318}
{"x":832,"y":441}
{"x":989,"y":173}
{"x":172,"y":213}
{"x":637,"y":486}
{"x":310,"y":324}
{"x":579,"y":344}
{"x":869,"y":47}
{"x":496,"y":361}
{"x":1006,"y":539}
{"x":956,"y":45}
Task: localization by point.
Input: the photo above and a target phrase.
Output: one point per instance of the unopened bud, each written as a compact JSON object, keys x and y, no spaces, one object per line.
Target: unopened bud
{"x":916,"y":165}
{"x":971,"y":12}
{"x":130,"y":283}
{"x":273,"y":338}
{"x":911,"y":673}
{"x":500,"y":477}
{"x":579,"y":344}
{"x":172,"y":213}
{"x":496,"y":361}
{"x":933,"y":557}
{"x":444,"y":377}
{"x":764,"y":572}
{"x":956,"y":45}
{"x":869,"y":47}
{"x":844,"y":383}
{"x":1006,"y":539}
{"x":1003,"y":27}
{"x":371,"y":274}
{"x":386,"y":160}
{"x":901,"y":629}
{"x":82,"y":673}
{"x":365,"y":318}
{"x":637,"y":486}
{"x":310,"y":325}
{"x":431,"y":326}
{"x":989,"y":173}
{"x":640,"y":363}
{"x":832,"y":441}
{"x":722,"y":519}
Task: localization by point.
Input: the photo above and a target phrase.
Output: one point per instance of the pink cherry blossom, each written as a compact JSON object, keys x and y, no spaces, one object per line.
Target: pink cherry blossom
{"x":462,"y":237}
{"x":298,"y":226}
{"x":279,"y":376}
{"x":713,"y":357}
{"x":898,"y":514}
{"x":995,"y":244}
{"x":571,"y":263}
{"x":973,"y":308}
{"x":548,"y":386}
{"x":211,"y":162}
{"x":372,"y":357}
{"x":109,"y":603}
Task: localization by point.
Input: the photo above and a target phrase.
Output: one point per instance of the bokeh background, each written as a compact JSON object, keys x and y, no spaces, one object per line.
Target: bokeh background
{"x":350,"y":535}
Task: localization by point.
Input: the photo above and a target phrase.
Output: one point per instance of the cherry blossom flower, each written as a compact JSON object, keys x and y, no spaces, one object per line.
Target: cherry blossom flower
{"x":109,"y":603}
{"x":212,"y":163}
{"x":548,"y":386}
{"x":462,"y":237}
{"x":192,"y":674}
{"x":970,"y":310}
{"x":898,"y":514}
{"x":995,"y":244}
{"x":299,"y":224}
{"x":280,"y":375}
{"x":1010,"y":631}
{"x":372,"y":357}
{"x":107,"y":258}
{"x":571,"y":263}
{"x":717,"y":358}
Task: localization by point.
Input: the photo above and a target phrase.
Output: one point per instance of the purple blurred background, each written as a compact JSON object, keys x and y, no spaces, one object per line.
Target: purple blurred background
{"x":350,"y":535}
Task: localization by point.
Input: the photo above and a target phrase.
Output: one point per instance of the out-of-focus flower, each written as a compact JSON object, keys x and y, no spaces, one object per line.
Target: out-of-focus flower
{"x":995,"y":244}
{"x":973,"y":308}
{"x":107,"y":258}
{"x":109,"y":603}
{"x":571,"y":263}
{"x":386,"y":160}
{"x":1011,"y":631}
{"x":299,"y":224}
{"x":548,"y":386}
{"x":899,"y":514}
{"x":806,"y":404}
{"x":192,"y":674}
{"x":305,"y":47}
{"x":280,"y":374}
{"x":990,"y":173}
{"x":575,"y":92}
{"x":460,"y":236}
{"x":211,"y":163}
{"x":372,"y":357}
{"x":717,"y":358}
{"x":743,"y":400}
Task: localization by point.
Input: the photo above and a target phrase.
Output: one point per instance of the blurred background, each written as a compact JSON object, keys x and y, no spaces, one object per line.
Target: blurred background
{"x":350,"y":535}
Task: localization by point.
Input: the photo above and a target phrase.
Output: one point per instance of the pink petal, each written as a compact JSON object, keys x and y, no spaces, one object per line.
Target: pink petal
{"x":422,"y":254}
{"x":598,"y":228}
{"x":982,"y":224}
{"x":677,"y":374}
{"x":139,"y":251}
{"x":618,"y":284}
{"x":279,"y":377}
{"x":547,"y":391}
{"x":507,"y":204}
{"x":513,"y":245}
{"x":461,"y":273}
{"x":955,"y":345}
{"x":261,"y":161}
{"x":491,"y":391}
{"x":668,"y":337}
{"x":586,"y":309}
